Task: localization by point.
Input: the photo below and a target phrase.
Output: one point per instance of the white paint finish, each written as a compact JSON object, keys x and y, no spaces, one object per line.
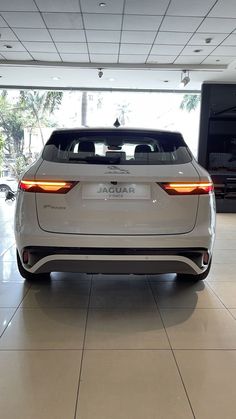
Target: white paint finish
{"x":63,"y":20}
{"x":67,"y":35}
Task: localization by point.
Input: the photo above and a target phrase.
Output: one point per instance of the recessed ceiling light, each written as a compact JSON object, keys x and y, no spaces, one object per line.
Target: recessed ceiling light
{"x":208,"y":40}
{"x":8,"y":46}
{"x":217,"y":60}
{"x":111,"y":79}
{"x":166,"y":81}
{"x":102,"y":4}
{"x":197,"y":50}
{"x":56,"y":78}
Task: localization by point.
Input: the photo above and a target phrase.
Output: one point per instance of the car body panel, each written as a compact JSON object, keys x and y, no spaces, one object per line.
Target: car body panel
{"x":80,"y":222}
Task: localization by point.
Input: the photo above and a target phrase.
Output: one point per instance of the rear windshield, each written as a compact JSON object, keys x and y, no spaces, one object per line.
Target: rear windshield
{"x":117,"y":147}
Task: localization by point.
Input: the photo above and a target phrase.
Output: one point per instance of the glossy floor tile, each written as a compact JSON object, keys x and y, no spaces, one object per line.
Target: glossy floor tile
{"x":131,"y":385}
{"x":45,"y":329}
{"x":210,"y":380}
{"x":125,"y":329}
{"x":128,"y":293}
{"x":38,"y":384}
{"x":5,"y":317}
{"x":12,"y":294}
{"x":200,"y":328}
{"x":226,"y":291}
{"x":118,"y":346}
{"x":184,"y":294}
{"x":58,"y":294}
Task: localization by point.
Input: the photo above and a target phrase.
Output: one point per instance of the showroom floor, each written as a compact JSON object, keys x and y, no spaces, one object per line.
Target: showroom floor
{"x":118,"y":347}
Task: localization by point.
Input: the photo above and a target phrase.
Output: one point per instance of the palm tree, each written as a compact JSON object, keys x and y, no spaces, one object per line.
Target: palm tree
{"x":39,"y":106}
{"x":190,"y":102}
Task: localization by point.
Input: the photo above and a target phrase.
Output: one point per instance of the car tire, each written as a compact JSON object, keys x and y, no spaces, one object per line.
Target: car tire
{"x":195,"y":278}
{"x":4,"y":188}
{"x":29,"y":276}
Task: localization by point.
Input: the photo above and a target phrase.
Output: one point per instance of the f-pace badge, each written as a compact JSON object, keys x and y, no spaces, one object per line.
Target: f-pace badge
{"x":116,"y":170}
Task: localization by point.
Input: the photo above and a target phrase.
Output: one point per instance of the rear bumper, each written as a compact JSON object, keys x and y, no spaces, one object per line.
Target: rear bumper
{"x":39,"y":259}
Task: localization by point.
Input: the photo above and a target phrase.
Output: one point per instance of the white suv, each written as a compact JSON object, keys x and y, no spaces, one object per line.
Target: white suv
{"x":115,"y":201}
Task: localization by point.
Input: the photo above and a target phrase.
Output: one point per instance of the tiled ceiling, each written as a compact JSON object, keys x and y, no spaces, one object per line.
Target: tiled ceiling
{"x":143,"y":35}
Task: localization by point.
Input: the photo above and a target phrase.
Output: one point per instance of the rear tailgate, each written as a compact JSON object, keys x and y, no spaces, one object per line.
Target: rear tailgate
{"x":116,"y":200}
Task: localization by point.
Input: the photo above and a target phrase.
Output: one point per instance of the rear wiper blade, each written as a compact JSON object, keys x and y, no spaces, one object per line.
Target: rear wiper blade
{"x":97,"y":159}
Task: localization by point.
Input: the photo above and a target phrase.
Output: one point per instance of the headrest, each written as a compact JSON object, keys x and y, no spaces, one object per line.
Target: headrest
{"x":87,"y":146}
{"x":142,"y":148}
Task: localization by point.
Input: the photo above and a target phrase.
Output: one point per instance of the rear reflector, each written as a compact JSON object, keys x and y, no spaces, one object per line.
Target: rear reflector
{"x":188,"y":188}
{"x":41,"y":186}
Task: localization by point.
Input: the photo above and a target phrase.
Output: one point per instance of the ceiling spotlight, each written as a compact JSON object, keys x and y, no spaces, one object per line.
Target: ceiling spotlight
{"x":208,"y":40}
{"x":8,"y":46}
{"x":100,"y":73}
{"x":197,"y":50}
{"x":102,"y":4}
{"x":185,"y":79}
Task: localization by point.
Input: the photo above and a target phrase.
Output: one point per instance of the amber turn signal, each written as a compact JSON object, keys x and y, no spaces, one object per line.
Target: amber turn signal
{"x":188,"y":188}
{"x":42,"y":186}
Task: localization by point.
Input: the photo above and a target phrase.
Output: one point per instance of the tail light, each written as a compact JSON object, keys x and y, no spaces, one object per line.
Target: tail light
{"x":188,"y":188}
{"x":41,"y":186}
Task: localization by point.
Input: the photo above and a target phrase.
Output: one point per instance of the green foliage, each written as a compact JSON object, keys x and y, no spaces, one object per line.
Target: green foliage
{"x":190,"y":102}
{"x":19,"y":166}
{"x":38,"y":106}
{"x":1,"y":151}
{"x":32,"y":109}
{"x":11,"y":125}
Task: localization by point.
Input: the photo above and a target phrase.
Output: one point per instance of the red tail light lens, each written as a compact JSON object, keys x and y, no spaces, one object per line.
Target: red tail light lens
{"x":188,"y":188}
{"x":42,"y":186}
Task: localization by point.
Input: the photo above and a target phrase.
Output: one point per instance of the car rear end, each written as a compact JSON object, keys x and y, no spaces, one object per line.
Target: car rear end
{"x":115,"y":201}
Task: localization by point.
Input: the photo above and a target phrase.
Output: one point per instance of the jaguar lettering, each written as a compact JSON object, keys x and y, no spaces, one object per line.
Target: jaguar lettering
{"x":116,"y":189}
